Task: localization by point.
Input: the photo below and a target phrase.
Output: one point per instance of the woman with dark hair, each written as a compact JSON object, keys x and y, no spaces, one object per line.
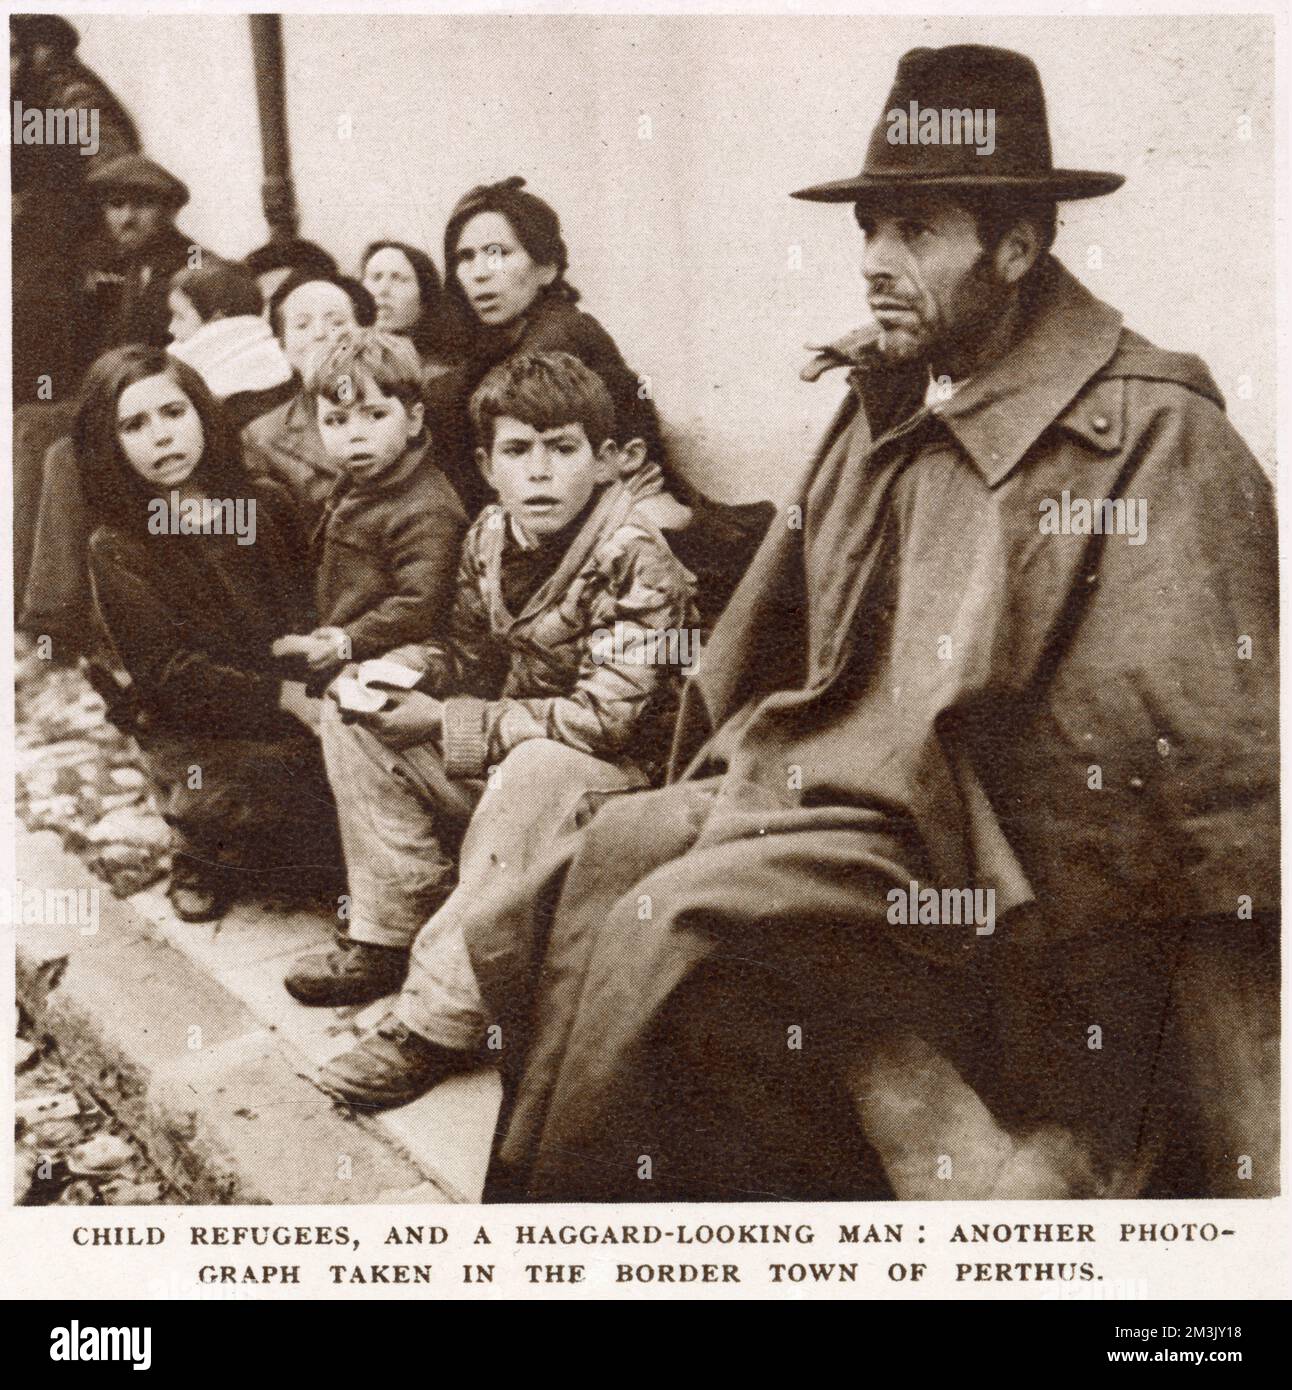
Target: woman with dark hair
{"x":306,"y":312}
{"x":410,"y":299}
{"x":217,"y":327}
{"x":505,"y":262}
{"x":308,"y":309}
{"x":505,"y":266}
{"x":195,"y":571}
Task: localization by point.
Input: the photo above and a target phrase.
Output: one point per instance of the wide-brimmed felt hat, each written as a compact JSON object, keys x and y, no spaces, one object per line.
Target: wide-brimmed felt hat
{"x":987,"y":130}
{"x":135,"y":173}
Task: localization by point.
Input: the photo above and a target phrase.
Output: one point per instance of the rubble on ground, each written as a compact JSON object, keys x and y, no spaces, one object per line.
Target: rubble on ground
{"x":78,"y":775}
{"x":81,"y":777}
{"x":67,"y":1151}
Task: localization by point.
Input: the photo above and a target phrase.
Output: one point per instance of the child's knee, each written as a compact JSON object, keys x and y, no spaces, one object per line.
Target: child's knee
{"x":346,"y":741}
{"x":542,"y":758}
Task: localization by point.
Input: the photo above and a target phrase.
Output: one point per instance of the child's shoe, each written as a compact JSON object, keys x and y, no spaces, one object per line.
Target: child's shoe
{"x":391,"y":1065}
{"x":353,"y":972}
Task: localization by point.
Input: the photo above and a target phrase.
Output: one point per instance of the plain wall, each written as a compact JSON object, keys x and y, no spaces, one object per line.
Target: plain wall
{"x":669,"y":146}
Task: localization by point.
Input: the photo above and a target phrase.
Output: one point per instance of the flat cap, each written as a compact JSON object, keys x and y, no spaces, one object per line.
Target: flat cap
{"x":136,"y":174}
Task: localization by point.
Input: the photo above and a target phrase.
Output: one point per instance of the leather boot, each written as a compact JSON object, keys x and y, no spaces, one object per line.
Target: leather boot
{"x":353,"y":972}
{"x":391,"y":1065}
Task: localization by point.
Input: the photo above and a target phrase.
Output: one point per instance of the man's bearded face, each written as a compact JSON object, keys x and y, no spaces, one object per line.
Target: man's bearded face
{"x":932,"y":288}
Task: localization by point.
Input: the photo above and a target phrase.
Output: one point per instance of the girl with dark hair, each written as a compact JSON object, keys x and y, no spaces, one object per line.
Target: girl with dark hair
{"x":211,"y":310}
{"x":505,"y":265}
{"x":410,"y":299}
{"x":195,"y":571}
{"x":307,"y":311}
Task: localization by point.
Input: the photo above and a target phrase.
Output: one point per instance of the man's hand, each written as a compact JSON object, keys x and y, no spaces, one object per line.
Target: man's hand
{"x":413,"y":718}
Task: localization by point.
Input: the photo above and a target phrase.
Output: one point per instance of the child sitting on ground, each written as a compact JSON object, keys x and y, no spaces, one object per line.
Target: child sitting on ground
{"x":558,"y":685}
{"x":386,"y":547}
{"x":188,"y":611}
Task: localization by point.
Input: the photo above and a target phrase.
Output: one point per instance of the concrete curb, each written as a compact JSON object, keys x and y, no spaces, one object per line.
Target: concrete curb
{"x":205,"y":1086}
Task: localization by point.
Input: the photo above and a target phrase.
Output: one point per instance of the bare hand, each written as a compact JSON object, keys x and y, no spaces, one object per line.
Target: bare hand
{"x":413,"y":718}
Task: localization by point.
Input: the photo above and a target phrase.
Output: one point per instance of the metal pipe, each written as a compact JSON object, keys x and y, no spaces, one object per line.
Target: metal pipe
{"x":277,"y":195}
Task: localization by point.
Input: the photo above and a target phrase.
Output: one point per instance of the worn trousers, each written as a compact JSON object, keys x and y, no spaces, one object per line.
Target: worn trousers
{"x":403,"y":822}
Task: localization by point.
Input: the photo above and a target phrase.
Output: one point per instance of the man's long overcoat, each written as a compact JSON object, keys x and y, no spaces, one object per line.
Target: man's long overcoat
{"x":918,"y":682}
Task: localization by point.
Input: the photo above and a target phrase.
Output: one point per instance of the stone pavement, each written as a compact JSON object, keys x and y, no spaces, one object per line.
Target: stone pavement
{"x":183,"y":1031}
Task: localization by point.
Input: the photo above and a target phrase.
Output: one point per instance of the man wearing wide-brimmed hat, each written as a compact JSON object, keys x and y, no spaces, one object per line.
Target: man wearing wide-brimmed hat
{"x":958,"y":201}
{"x":956,"y":760}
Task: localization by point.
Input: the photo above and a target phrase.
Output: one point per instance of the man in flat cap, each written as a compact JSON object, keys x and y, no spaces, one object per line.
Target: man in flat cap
{"x":985,"y":741}
{"x":140,"y":248}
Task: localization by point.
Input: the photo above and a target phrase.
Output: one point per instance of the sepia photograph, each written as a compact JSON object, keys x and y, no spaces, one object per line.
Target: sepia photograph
{"x":646,"y":609}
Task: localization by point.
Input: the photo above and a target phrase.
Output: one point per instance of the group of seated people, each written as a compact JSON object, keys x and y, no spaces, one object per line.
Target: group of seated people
{"x":341,"y":529}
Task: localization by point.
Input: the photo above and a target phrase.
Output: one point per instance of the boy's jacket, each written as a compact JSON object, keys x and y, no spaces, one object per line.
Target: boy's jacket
{"x":385,"y":556}
{"x":573,"y":664}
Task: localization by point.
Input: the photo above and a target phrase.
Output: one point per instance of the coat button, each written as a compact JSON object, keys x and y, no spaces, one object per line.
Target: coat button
{"x":1137,"y":784}
{"x":1100,"y":424}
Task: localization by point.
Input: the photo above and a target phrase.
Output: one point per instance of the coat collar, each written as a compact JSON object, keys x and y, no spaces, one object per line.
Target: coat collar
{"x":998,"y":414}
{"x":347,"y":490}
{"x":298,"y":415}
{"x":298,"y":435}
{"x":415,"y":457}
{"x":609,"y":512}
